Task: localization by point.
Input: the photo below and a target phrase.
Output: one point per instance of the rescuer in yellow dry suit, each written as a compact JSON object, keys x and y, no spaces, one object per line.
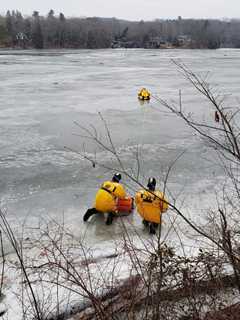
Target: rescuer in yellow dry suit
{"x":144,"y":94}
{"x":150,"y":205}
{"x":106,"y":197}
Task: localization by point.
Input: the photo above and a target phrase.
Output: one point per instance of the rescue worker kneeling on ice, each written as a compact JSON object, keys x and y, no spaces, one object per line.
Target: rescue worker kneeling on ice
{"x":150,"y":205}
{"x":106,"y":198}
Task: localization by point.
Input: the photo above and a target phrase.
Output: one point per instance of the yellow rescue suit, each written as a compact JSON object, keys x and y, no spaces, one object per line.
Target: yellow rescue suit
{"x":144,"y":94}
{"x":150,"y":206}
{"x":106,"y":196}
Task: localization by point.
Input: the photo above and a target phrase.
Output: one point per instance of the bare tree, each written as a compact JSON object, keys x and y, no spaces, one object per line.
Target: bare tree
{"x":223,"y":137}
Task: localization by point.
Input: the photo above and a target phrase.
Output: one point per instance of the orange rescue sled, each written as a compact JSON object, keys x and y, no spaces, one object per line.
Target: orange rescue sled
{"x":125,"y":206}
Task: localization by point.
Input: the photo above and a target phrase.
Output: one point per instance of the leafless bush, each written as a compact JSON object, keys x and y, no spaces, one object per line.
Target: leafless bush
{"x":224,"y":139}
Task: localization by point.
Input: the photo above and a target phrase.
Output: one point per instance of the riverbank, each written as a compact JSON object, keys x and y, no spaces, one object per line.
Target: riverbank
{"x":136,"y":274}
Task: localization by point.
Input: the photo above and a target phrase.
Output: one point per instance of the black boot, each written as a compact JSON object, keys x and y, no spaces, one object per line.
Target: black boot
{"x":145,"y":223}
{"x":152,"y":228}
{"x":109,"y":218}
{"x":89,"y":213}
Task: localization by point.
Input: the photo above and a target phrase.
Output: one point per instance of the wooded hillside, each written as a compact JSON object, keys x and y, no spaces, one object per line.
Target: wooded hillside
{"x":57,"y":31}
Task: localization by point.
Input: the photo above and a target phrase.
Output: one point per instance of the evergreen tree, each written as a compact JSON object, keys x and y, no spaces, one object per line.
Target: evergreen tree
{"x":91,"y":40}
{"x":51,"y":14}
{"x":62,"y":30}
{"x":62,"y":17}
{"x":3,"y":32}
{"x":9,"y":25}
{"x":37,"y":36}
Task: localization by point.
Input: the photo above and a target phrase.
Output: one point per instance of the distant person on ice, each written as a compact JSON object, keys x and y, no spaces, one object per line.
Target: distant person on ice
{"x":217,"y":118}
{"x":106,"y":199}
{"x":151,"y":204}
{"x":144,"y":94}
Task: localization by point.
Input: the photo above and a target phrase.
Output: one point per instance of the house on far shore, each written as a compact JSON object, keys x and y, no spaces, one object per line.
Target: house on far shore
{"x":184,"y":40}
{"x":157,"y":43}
{"x":116,"y":44}
{"x":21,"y":40}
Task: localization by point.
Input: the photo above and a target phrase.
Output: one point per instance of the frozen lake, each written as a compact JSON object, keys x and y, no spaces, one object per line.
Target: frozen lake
{"x":43,"y":93}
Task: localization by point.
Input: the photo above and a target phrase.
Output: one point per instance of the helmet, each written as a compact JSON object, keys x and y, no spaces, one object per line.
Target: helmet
{"x":151,"y":184}
{"x":117,"y":177}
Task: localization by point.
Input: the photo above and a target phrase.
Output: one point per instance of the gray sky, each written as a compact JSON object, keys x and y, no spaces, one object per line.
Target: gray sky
{"x":129,"y":9}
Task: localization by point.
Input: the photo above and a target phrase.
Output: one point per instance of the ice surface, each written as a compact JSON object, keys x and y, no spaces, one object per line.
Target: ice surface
{"x":43,"y":94}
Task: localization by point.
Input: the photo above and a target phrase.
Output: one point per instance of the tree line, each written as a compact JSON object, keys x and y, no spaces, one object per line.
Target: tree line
{"x":58,"y":31}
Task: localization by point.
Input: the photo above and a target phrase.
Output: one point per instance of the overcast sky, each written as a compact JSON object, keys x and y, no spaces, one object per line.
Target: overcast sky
{"x":129,"y":9}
